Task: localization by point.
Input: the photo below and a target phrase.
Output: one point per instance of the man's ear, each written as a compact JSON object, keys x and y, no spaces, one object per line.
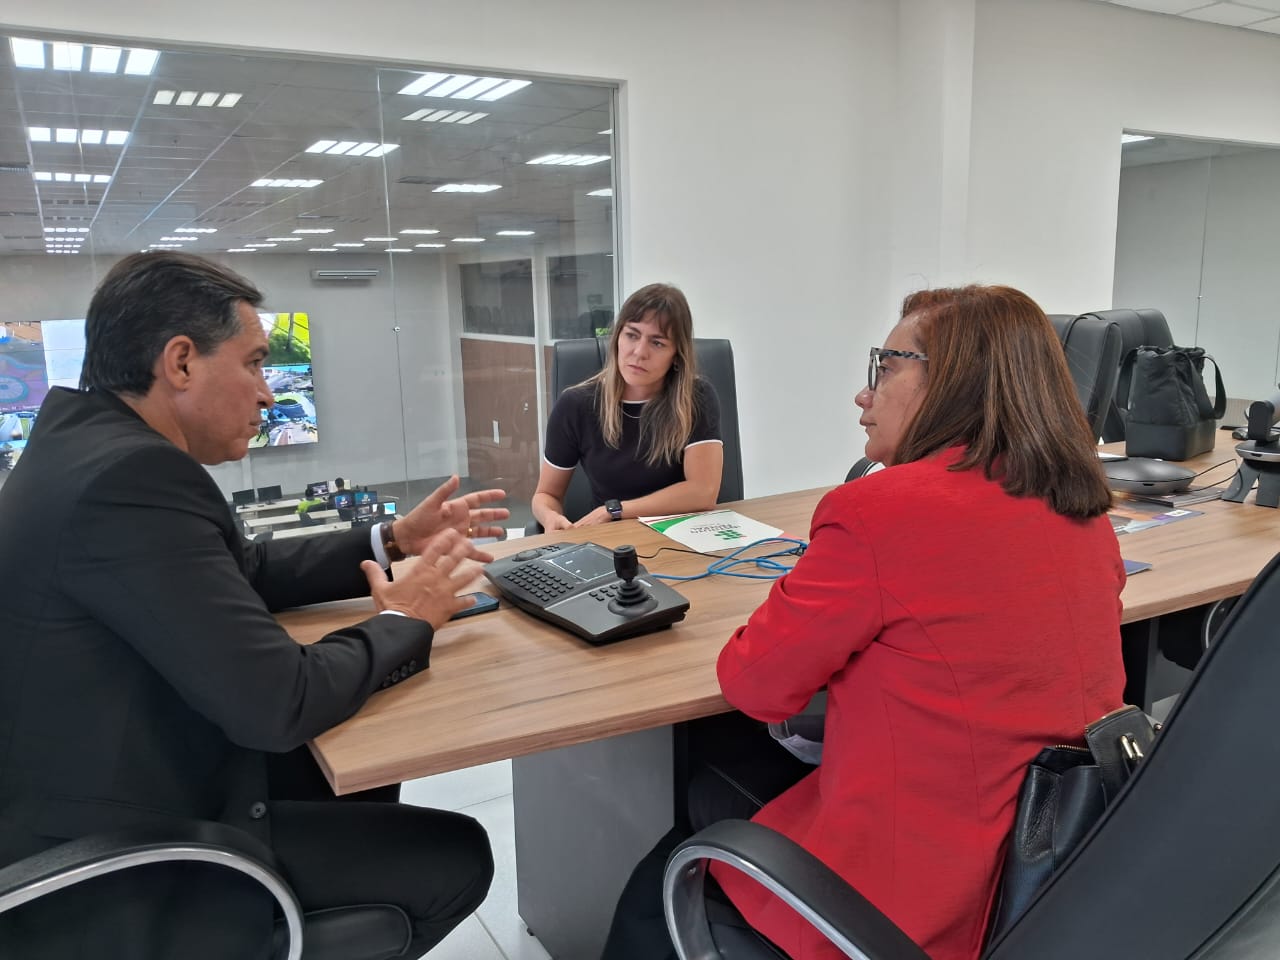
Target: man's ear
{"x":174,"y":363}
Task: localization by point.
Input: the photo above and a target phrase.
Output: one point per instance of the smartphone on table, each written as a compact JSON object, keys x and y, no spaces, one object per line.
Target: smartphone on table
{"x":484,"y":603}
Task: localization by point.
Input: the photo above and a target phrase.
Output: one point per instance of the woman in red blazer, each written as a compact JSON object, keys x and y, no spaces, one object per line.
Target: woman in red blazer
{"x":962,"y":609}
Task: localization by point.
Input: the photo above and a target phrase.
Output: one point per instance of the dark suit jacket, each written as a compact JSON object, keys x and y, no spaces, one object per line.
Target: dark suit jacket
{"x":142,"y":674}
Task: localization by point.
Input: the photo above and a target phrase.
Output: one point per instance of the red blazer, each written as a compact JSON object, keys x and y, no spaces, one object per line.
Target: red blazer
{"x":958,"y":630}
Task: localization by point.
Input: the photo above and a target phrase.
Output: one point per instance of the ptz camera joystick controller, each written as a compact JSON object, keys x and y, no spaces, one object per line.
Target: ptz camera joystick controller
{"x":632,"y":597}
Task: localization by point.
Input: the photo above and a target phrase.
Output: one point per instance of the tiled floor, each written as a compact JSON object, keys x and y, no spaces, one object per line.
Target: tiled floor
{"x":496,"y":931}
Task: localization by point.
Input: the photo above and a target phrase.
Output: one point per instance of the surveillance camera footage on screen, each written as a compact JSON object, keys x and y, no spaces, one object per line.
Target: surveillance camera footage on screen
{"x":33,"y":357}
{"x":292,"y":419}
{"x":38,"y":354}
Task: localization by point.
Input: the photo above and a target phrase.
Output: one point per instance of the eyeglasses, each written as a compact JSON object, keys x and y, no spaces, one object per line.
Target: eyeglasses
{"x":877,"y":353}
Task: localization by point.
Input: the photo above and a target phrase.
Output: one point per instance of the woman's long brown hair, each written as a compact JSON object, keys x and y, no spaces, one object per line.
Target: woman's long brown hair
{"x":998,"y":384}
{"x":667,"y":420}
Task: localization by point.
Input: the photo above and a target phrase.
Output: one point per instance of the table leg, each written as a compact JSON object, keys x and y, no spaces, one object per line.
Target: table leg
{"x":584,"y":816}
{"x":1140,"y":648}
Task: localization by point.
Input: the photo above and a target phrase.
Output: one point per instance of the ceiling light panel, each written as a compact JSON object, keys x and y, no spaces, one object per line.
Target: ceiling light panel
{"x":602,"y":192}
{"x":462,"y":86}
{"x":420,"y":230}
{"x":63,"y":55}
{"x":71,"y":135}
{"x":515,"y":233}
{"x":351,"y":148}
{"x":314,"y":230}
{"x":196,"y":230}
{"x":467,"y":188}
{"x":195,"y":98}
{"x":46,"y":176}
{"x":433,"y":115}
{"x":569,"y":159}
{"x":287,"y":183}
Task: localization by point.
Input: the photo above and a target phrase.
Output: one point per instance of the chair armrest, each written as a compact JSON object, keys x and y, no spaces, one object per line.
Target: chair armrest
{"x":533,"y":528}
{"x":182,"y":840}
{"x":786,"y":869}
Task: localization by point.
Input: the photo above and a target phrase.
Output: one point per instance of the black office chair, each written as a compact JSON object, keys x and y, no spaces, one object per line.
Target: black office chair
{"x":1185,"y":862}
{"x":368,"y":932}
{"x":1138,"y":328}
{"x":862,"y":467}
{"x":1092,"y":344}
{"x":1179,"y":635}
{"x":575,"y":360}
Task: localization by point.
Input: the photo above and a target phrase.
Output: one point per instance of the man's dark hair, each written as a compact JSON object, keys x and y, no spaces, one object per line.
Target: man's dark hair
{"x":145,"y":301}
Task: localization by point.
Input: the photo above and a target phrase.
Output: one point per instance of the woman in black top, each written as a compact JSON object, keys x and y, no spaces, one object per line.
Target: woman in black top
{"x":646,"y":428}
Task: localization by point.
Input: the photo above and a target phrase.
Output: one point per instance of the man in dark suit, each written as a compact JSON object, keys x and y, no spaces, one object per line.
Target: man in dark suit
{"x":143,"y":678}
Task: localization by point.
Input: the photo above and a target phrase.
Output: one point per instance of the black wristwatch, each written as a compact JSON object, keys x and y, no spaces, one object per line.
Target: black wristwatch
{"x":615,"y":509}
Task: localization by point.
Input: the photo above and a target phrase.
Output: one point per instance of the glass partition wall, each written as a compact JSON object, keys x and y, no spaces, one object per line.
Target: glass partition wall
{"x":421,"y":236}
{"x":1197,"y":237}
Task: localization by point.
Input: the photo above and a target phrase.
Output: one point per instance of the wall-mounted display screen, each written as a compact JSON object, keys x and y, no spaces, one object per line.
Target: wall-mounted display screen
{"x":38,"y":354}
{"x":292,"y":420}
{"x":34,"y":356}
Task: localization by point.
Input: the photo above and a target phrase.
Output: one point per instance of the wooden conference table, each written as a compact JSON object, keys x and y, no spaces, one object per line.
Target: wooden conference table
{"x":594,"y":724}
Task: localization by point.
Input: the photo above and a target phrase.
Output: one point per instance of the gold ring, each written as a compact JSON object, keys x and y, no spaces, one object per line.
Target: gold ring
{"x":468,"y":532}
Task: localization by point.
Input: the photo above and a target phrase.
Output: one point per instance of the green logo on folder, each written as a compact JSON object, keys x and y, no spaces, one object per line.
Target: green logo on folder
{"x":729,"y":534}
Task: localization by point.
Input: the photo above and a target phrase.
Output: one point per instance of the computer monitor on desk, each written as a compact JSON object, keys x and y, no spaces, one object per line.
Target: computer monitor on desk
{"x":344,"y":503}
{"x":318,"y":489}
{"x":269,"y":494}
{"x":242,"y":498}
{"x":365,"y":496}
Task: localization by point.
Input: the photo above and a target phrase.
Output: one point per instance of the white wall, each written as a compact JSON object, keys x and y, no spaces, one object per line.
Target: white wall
{"x":1159,"y":241}
{"x":784,"y":102}
{"x":1055,"y":82}
{"x":1228,"y":208}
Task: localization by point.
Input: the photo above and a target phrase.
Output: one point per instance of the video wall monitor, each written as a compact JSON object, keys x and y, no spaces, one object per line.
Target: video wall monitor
{"x":366,"y":496}
{"x":35,"y":356}
{"x":342,"y":501}
{"x":365,"y":511}
{"x":292,"y":418}
{"x":267,"y":494}
{"x":389,"y":508}
{"x":320,"y":489}
{"x":242,"y":497}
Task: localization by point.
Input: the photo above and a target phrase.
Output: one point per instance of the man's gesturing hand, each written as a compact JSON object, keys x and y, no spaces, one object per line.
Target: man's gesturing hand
{"x":427,"y":588}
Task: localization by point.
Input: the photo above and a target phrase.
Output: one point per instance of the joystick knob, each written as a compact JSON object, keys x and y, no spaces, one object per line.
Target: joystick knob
{"x":626,"y":566}
{"x":625,"y":563}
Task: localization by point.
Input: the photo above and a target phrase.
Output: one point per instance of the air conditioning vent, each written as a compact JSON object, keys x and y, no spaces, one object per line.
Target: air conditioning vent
{"x":14,"y":166}
{"x":349,"y":275}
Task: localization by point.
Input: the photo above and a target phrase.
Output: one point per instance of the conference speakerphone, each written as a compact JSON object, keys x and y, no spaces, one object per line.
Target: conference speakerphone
{"x":599,"y":594}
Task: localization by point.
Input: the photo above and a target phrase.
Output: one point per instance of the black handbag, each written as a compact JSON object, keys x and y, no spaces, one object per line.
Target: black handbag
{"x":1167,"y":413}
{"x":1064,"y":793}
